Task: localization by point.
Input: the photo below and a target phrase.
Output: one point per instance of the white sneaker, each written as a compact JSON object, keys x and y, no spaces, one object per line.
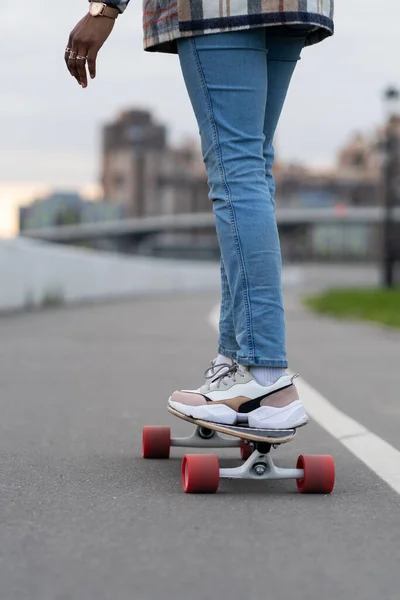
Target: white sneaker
{"x":217,"y":369}
{"x":232,"y":396}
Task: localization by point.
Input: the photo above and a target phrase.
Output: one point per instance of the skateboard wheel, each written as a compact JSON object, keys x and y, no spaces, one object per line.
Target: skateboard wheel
{"x":200,"y":473}
{"x":319,"y":474}
{"x":156,"y":442}
{"x":246,"y":450}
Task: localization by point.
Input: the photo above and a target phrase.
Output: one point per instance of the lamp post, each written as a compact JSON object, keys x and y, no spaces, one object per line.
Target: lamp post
{"x":391,"y":170}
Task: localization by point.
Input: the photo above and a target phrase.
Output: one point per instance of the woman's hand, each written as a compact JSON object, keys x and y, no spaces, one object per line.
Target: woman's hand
{"x":84,"y":43}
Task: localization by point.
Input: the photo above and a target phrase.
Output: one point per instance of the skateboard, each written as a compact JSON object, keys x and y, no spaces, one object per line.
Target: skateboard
{"x":201,"y":473}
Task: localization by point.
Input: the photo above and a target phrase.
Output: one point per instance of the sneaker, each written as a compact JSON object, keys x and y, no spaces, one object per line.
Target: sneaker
{"x":217,"y":369}
{"x":232,"y":396}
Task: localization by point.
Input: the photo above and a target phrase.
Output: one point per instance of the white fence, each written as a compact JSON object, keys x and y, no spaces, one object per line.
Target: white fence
{"x":38,"y":274}
{"x":34,"y":274}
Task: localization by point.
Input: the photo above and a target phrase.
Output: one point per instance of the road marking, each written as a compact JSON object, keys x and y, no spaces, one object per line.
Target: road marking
{"x":373,"y":451}
{"x":380,"y":456}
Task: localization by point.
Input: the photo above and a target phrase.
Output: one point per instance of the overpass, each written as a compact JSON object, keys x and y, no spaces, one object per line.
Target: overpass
{"x":145,"y":226}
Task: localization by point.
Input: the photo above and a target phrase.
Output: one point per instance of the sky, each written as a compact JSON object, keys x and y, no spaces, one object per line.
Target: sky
{"x":50,"y":128}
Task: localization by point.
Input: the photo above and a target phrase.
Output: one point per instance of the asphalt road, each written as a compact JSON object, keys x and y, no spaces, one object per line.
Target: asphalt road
{"x":84,"y":517}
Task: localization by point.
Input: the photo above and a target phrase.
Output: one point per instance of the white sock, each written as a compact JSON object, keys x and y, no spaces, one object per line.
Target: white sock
{"x":267,"y":375}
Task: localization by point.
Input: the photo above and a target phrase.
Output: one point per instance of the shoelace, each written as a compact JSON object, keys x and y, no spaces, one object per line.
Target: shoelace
{"x":217,"y":373}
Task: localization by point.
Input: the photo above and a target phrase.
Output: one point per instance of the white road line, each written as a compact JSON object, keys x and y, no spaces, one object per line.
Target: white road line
{"x":382,"y":458}
{"x":378,"y":455}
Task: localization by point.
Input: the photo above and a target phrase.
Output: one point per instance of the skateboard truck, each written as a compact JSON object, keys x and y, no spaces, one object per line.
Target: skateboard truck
{"x":203,"y":437}
{"x":201,"y":473}
{"x":260,"y":465}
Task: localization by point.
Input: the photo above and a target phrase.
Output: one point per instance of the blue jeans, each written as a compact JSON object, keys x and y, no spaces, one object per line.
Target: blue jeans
{"x":237,"y":83}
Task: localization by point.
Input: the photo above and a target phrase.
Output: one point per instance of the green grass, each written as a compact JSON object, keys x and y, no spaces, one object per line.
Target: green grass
{"x":378,"y":305}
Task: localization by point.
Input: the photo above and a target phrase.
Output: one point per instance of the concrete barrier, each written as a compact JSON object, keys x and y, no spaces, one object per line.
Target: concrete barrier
{"x":34,"y":274}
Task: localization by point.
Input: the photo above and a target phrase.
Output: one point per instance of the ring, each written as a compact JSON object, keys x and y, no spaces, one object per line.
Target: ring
{"x":72,"y":55}
{"x":81,"y":58}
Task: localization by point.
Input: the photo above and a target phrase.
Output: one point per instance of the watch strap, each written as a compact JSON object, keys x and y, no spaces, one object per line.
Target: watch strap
{"x":106,"y":10}
{"x":110,"y":11}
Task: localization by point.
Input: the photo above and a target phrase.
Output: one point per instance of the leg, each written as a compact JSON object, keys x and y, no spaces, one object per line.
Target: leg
{"x":284,"y":46}
{"x":227,"y":345}
{"x":227,"y":79}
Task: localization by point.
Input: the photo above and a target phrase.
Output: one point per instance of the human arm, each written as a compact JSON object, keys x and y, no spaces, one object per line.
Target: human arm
{"x":88,"y":36}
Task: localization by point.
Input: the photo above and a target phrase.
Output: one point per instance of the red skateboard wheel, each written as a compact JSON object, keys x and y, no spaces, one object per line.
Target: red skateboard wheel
{"x":246,"y":450}
{"x":200,"y":473}
{"x":156,"y":442}
{"x":319,"y":474}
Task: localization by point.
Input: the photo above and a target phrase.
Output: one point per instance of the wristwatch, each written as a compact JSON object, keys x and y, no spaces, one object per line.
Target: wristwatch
{"x":99,"y":9}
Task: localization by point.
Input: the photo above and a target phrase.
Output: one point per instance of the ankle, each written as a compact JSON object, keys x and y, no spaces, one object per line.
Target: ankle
{"x":267,"y":375}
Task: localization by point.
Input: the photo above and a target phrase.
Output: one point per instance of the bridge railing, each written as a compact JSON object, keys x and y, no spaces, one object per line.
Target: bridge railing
{"x":334,"y":233}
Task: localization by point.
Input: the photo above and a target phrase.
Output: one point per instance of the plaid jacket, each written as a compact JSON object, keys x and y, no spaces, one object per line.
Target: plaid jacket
{"x":164,"y":21}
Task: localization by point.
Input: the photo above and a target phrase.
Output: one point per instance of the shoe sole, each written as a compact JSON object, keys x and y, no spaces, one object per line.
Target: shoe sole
{"x":265,"y":417}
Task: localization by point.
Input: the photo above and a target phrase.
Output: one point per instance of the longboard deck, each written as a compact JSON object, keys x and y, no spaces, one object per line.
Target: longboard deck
{"x":270,"y":436}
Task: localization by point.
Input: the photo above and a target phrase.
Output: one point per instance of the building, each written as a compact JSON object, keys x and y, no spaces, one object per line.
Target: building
{"x":66,"y":208}
{"x":354,"y":179}
{"x":142,"y":172}
{"x":134,"y":150}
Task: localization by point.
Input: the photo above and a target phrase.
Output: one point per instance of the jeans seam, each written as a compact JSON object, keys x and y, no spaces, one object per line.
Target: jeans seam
{"x":246,"y":293}
{"x":225,"y":292}
{"x":248,"y":361}
{"x":223,"y":286}
{"x":226,"y":352}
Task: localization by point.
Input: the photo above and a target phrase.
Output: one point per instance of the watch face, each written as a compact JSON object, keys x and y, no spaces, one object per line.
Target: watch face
{"x":96,"y":8}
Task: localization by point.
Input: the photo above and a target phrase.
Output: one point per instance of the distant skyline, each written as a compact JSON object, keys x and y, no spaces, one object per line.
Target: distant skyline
{"x":50,"y":127}
{"x":13,"y":195}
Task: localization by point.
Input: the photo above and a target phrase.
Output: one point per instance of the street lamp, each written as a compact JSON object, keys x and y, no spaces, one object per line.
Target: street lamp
{"x":392,"y":102}
{"x":391,"y":170}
